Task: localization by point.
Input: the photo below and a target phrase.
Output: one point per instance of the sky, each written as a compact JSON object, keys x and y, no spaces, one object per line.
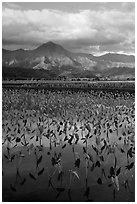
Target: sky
{"x":88,"y":27}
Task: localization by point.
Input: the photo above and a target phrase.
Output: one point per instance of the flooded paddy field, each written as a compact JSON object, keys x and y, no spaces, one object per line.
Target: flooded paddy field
{"x":67,"y":145}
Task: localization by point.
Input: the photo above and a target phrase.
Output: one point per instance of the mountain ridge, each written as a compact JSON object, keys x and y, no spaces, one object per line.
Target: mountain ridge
{"x":49,"y":56}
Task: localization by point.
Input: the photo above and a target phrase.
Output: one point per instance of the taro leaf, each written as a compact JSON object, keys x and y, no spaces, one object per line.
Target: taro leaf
{"x":50,"y":146}
{"x":50,"y":183}
{"x":74,"y":173}
{"x":102,"y":158}
{"x":125,"y":184}
{"x":26,"y":144}
{"x":130,"y":166}
{"x":103,"y":147}
{"x":87,"y":192}
{"x":111,"y":171}
{"x":105,"y":143}
{"x":22,"y":143}
{"x":115,"y":162}
{"x":31,"y":176}
{"x":70,"y":140}
{"x":97,"y":164}
{"x":103,"y":173}
{"x":60,"y":176}
{"x":84,"y":149}
{"x":130,"y":153}
{"x":61,"y":123}
{"x":122,"y":150}
{"x":118,"y":171}
{"x":23,"y":181}
{"x":9,"y":129}
{"x":77,"y":163}
{"x":63,"y":146}
{"x":33,"y":131}
{"x":22,"y":136}
{"x":53,"y":161}
{"x":59,"y":156}
{"x":95,"y":149}
{"x":60,"y":190}
{"x":92,"y":167}
{"x":17,"y":139}
{"x":90,"y":136}
{"x":77,"y":138}
{"x":41,"y":171}
{"x":6,"y":156}
{"x":39,"y":160}
{"x":116,"y":124}
{"x":12,"y":157}
{"x":90,"y":157}
{"x":95,"y":131}
{"x":108,"y":125}
{"x":99,"y":181}
{"x":3,"y":142}
{"x":40,"y":148}
{"x":65,"y":139}
{"x":124,"y":134}
{"x":14,"y":146}
{"x":12,"y":188}
{"x":129,"y":132}
{"x":120,"y":125}
{"x":46,"y":135}
{"x":9,"y":139}
{"x":110,"y":130}
{"x":84,"y":141}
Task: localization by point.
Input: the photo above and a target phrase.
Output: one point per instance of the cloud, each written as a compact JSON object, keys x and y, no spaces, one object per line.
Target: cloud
{"x":84,"y":29}
{"x":11,"y":5}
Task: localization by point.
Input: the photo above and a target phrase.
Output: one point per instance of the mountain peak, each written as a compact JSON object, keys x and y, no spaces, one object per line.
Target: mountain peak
{"x":51,"y":49}
{"x":48,"y":45}
{"x":116,"y":57}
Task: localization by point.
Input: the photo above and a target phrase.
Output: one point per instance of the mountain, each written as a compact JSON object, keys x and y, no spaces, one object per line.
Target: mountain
{"x":117,"y":58}
{"x":51,"y":58}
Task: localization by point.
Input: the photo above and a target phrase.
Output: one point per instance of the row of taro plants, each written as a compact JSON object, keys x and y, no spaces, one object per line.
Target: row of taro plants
{"x":48,"y":123}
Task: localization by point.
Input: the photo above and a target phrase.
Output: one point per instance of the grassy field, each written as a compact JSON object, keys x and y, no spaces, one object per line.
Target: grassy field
{"x":68,"y":145}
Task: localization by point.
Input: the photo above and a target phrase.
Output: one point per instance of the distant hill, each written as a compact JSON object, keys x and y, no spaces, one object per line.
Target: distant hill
{"x":117,"y":58}
{"x":52,"y":60}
